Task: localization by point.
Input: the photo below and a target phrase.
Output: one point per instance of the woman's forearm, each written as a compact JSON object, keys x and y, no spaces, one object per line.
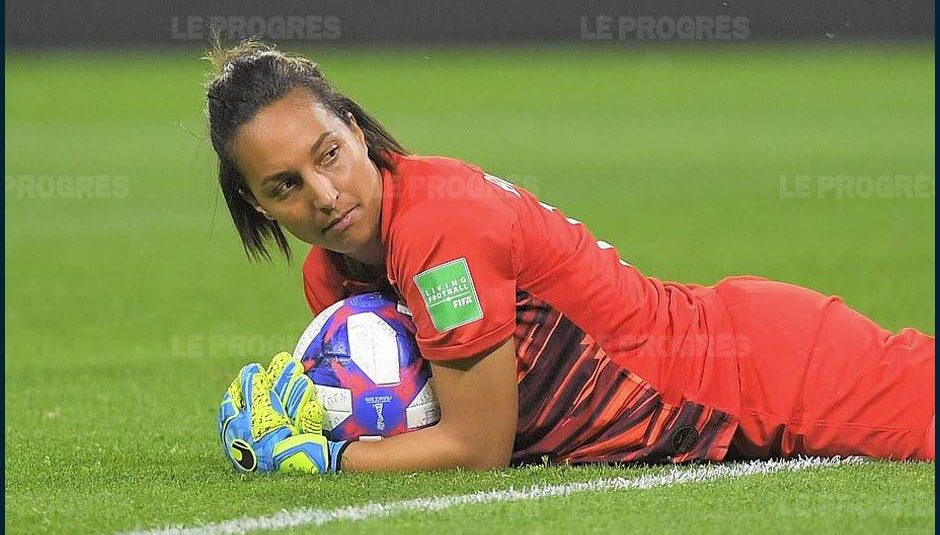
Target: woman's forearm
{"x":434,"y":448}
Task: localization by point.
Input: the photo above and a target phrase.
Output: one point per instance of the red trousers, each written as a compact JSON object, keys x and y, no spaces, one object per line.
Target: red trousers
{"x":818,"y":378}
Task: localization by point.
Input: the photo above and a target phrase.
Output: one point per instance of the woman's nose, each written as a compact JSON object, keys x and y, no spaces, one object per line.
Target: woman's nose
{"x":321,"y":192}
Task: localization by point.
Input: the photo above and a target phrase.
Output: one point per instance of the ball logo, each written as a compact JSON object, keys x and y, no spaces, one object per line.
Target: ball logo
{"x":378,"y":403}
{"x":380,"y":421}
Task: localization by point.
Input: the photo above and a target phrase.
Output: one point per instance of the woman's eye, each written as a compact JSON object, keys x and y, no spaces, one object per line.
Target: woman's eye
{"x":283,"y":188}
{"x":331,"y":155}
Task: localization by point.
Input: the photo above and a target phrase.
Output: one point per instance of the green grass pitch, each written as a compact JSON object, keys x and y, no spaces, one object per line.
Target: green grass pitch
{"x":129,"y":312}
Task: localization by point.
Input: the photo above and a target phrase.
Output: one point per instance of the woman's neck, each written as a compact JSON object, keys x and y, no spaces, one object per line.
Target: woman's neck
{"x":358,"y":270}
{"x":374,"y":258}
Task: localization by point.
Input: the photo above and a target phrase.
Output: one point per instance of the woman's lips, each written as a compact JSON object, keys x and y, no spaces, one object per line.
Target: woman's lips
{"x":343,"y":223}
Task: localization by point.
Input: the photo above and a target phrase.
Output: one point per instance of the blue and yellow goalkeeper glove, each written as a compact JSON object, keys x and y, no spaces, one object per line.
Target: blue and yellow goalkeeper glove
{"x":273,"y":421}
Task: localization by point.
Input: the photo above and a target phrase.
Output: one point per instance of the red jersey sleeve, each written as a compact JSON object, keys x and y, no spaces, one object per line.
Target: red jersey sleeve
{"x":453,"y":264}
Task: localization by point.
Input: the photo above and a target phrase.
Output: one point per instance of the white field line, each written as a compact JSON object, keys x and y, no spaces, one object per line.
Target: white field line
{"x":318,"y":517}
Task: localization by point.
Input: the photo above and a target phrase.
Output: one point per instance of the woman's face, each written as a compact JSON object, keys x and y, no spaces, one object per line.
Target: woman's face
{"x":310,"y":171}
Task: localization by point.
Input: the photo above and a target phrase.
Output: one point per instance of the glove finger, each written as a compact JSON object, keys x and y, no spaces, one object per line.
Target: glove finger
{"x":310,"y":414}
{"x":302,"y":405}
{"x":246,"y":381}
{"x":282,"y":369}
{"x":227,"y":410}
{"x":267,"y":413}
{"x":234,"y":393}
{"x":298,"y":392}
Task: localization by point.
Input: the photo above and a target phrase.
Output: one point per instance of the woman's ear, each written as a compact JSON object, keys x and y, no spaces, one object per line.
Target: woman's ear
{"x":250,"y":199}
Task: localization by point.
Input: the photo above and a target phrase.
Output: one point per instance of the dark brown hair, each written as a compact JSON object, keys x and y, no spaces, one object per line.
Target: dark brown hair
{"x":245,"y":79}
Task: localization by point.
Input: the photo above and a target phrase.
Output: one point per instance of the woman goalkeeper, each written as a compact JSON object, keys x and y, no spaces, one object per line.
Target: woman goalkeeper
{"x":542,"y":340}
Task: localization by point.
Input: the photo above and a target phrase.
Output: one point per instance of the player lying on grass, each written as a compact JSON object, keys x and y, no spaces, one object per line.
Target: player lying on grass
{"x":543,"y":342}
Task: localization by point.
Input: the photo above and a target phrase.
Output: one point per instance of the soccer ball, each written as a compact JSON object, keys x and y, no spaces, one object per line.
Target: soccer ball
{"x":371,"y":380}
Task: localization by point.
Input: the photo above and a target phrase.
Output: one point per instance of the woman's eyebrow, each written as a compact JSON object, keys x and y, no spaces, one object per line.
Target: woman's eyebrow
{"x":319,"y":141}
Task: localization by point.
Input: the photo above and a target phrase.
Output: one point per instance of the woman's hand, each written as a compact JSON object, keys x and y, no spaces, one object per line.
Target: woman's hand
{"x":273,"y":421}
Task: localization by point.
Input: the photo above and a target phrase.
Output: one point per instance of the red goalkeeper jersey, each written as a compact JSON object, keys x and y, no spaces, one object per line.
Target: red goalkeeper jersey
{"x":612,"y":365}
